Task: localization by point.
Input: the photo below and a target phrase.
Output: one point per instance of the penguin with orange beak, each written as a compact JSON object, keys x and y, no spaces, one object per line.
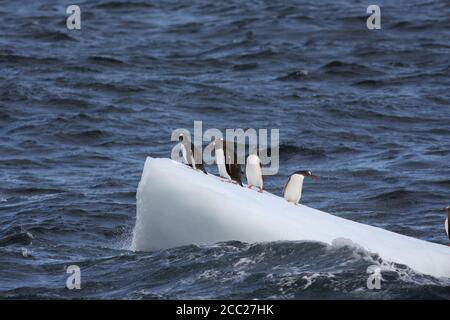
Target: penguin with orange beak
{"x":292,"y":190}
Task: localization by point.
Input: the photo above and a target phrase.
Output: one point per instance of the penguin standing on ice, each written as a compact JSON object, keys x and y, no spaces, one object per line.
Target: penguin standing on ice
{"x":253,"y":171}
{"x":446,"y":221}
{"x":229,"y":168}
{"x":188,"y":150}
{"x":292,"y":190}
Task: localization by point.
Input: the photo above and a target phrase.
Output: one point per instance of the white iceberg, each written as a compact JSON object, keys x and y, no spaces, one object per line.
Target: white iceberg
{"x":177,"y":206}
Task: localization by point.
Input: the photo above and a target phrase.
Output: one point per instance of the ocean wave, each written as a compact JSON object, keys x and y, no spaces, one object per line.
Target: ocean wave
{"x":15,"y":236}
{"x":52,"y":36}
{"x":295,"y":75}
{"x":22,"y":59}
{"x":124,"y":5}
{"x":288,"y":270}
{"x":85,"y":136}
{"x":245,"y":66}
{"x":105,"y":61}
{"x":348,"y":69}
{"x":288,"y":149}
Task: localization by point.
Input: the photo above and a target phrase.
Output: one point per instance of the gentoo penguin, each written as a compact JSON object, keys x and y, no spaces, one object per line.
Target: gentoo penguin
{"x":292,"y":190}
{"x":446,"y":221}
{"x":253,"y":172}
{"x":188,"y":150}
{"x":228,"y":167}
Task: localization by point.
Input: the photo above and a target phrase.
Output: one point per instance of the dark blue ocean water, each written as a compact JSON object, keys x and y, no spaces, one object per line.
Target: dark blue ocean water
{"x":365,"y":110}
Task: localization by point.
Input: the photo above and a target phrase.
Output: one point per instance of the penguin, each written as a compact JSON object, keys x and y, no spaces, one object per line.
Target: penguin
{"x":220,"y":159}
{"x":253,"y":172}
{"x":229,"y":168}
{"x":446,"y":221}
{"x":188,"y":150}
{"x":292,"y":190}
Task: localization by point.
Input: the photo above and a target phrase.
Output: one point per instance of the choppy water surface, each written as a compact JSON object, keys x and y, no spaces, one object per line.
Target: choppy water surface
{"x":367,"y":111}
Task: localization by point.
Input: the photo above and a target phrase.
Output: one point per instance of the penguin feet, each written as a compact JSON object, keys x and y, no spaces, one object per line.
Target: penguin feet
{"x":249,"y":186}
{"x":260,"y":190}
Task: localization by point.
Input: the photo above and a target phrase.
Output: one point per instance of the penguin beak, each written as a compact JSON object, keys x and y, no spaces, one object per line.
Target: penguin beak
{"x":313,"y":177}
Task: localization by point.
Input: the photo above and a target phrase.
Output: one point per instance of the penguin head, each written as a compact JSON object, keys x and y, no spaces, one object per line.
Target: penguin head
{"x":218,"y":143}
{"x":253,"y":159}
{"x":306,"y":173}
{"x":447,"y":210}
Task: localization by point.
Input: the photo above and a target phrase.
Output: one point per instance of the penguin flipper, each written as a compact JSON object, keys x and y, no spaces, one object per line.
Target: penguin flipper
{"x":285,"y":185}
{"x":199,"y":166}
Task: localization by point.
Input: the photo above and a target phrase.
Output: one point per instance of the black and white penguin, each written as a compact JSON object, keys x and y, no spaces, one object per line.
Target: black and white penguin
{"x":229,"y":168}
{"x":253,"y":171}
{"x":446,"y":221}
{"x":188,"y":150}
{"x":292,"y":190}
